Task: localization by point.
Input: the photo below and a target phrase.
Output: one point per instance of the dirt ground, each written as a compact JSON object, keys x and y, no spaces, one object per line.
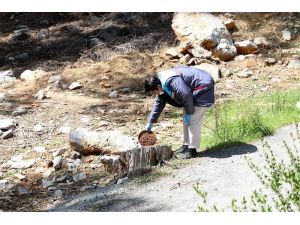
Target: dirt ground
{"x":135,"y":47}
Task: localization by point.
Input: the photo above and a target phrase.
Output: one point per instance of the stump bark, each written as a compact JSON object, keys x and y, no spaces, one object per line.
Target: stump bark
{"x":137,"y":161}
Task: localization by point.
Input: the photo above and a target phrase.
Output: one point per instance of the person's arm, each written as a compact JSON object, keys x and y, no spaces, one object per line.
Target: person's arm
{"x":157,"y":108}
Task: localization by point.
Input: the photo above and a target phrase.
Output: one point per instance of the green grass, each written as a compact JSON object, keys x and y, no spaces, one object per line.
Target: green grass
{"x":243,"y":121}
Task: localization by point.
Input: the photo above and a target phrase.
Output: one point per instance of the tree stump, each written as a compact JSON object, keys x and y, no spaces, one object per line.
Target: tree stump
{"x":137,"y":161}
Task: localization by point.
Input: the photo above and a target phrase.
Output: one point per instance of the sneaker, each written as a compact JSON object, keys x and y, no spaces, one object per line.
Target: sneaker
{"x":182,"y":149}
{"x":189,"y":153}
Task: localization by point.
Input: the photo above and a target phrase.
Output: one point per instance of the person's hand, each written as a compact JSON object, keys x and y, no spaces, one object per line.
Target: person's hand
{"x":187,"y":119}
{"x":149,"y":126}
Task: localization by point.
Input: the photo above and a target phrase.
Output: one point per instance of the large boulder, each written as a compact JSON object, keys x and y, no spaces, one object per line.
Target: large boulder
{"x":225,"y":51}
{"x":30,"y":75}
{"x":201,"y":30}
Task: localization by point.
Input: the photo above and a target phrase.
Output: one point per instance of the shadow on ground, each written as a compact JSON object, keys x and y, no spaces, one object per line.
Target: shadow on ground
{"x":238,"y":149}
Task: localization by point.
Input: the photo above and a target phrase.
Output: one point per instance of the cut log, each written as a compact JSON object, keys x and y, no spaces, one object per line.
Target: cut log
{"x":137,"y":161}
{"x":88,"y":142}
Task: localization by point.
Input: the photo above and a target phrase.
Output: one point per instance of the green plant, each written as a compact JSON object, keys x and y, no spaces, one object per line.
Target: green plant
{"x":282,"y":179}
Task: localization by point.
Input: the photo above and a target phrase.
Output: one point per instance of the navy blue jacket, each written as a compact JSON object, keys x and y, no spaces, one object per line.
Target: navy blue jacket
{"x":183,"y":87}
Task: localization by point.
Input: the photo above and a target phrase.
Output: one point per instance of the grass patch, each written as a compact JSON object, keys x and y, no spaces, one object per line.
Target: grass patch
{"x":249,"y":119}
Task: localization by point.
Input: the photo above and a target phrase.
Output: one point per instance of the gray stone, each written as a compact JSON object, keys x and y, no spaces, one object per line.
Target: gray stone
{"x":5,"y":185}
{"x":114,"y":94}
{"x":3,"y":97}
{"x":40,"y":149}
{"x":58,"y":193}
{"x":225,"y":50}
{"x":79,"y":177}
{"x":7,"y":124}
{"x":262,"y":42}
{"x":94,"y":42}
{"x":21,"y":164}
{"x":172,"y":53}
{"x":75,"y":155}
{"x":270,"y":61}
{"x":19,"y":111}
{"x":57,"y":161}
{"x":64,"y":130}
{"x":61,"y":178}
{"x":40,"y":95}
{"x":286,"y":35}
{"x":185,"y":59}
{"x":75,"y":85}
{"x":294,"y":63}
{"x":38,"y":128}
{"x":245,"y":73}
{"x":30,"y":75}
{"x":122,"y":180}
{"x":42,"y":34}
{"x":47,"y":183}
{"x":22,"y":191}
{"x":200,"y":52}
{"x":59,"y":152}
{"x":48,"y":173}
{"x":7,"y":134}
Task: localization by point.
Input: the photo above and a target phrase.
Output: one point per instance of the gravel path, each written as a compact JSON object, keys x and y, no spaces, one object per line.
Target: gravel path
{"x":223,"y":174}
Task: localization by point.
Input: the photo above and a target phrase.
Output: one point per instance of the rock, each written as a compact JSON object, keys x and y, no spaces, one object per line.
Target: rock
{"x":6,"y":73}
{"x":185,"y":59}
{"x":43,"y":34}
{"x":200,"y":29}
{"x":57,"y":161}
{"x":19,"y":111}
{"x":58,"y":193}
{"x":200,"y":52}
{"x":7,"y":134}
{"x":40,"y":149}
{"x":94,"y":42}
{"x":21,"y":34}
{"x":122,"y":180}
{"x":262,"y":43}
{"x":246,"y":47}
{"x":38,"y":128}
{"x":22,"y":191}
{"x":213,"y":70}
{"x":125,"y":90}
{"x":85,"y":119}
{"x":21,"y":164}
{"x":75,"y":155}
{"x":49,"y":173}
{"x":73,"y":165}
{"x":59,"y":152}
{"x":5,"y":185}
{"x":225,"y":51}
{"x":7,"y":124}
{"x":90,"y":142}
{"x":114,"y":94}
{"x":75,"y":85}
{"x":64,"y":130}
{"x":40,"y":95}
{"x":286,"y":35}
{"x":270,"y":61}
{"x":172,"y":53}
{"x":3,"y":97}
{"x":79,"y":177}
{"x":47,"y":183}
{"x":245,"y":73}
{"x":29,"y":75}
{"x":20,"y":176}
{"x":61,"y":178}
{"x":294,"y":63}
{"x":240,"y":58}
{"x":229,"y":24}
